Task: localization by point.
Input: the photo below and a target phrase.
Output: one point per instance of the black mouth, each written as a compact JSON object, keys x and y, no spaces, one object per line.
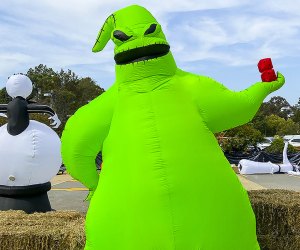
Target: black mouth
{"x":141,"y":54}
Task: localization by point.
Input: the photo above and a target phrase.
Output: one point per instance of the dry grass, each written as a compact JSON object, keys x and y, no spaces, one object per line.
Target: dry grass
{"x":59,"y":230}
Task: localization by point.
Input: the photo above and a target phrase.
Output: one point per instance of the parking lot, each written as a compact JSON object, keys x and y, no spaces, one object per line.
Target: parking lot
{"x":276,"y":181}
{"x":69,"y":194}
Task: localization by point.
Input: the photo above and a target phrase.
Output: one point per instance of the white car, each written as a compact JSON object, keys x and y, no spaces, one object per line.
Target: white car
{"x":293,"y":140}
{"x":265,"y":143}
{"x":287,"y":138}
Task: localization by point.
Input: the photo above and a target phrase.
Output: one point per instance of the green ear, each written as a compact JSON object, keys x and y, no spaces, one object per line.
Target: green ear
{"x":104,"y":34}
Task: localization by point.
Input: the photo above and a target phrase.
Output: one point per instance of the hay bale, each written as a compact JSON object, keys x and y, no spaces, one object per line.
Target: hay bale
{"x":277,"y":218}
{"x":277,"y":215}
{"x":235,"y":168}
{"x":268,"y":242}
{"x":57,"y":230}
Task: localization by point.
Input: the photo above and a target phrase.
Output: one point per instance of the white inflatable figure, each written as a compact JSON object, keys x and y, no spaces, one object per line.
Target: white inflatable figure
{"x":286,"y":165}
{"x":253,"y":167}
{"x":29,"y":151}
{"x":296,"y":172}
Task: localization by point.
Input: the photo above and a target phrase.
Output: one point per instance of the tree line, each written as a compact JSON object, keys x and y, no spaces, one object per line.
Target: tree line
{"x":275,"y":117}
{"x":65,"y":92}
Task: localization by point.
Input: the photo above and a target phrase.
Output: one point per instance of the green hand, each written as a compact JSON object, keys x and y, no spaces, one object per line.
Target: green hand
{"x":278,"y":83}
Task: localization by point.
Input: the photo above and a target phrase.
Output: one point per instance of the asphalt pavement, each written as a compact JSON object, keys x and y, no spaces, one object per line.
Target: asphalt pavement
{"x":69,"y":194}
{"x":276,"y":181}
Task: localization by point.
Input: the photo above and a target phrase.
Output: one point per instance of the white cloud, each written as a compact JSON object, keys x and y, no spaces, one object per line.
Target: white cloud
{"x":235,"y":39}
{"x":231,"y":32}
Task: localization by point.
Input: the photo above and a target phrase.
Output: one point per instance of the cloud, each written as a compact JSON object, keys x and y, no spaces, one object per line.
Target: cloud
{"x":227,"y":33}
{"x":233,"y":39}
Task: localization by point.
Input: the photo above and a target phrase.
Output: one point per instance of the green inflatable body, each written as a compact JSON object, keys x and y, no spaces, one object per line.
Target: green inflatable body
{"x":165,"y":183}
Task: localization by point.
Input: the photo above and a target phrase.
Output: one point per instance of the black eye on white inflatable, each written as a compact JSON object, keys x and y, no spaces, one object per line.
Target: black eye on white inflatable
{"x":120,"y":35}
{"x":151,"y":29}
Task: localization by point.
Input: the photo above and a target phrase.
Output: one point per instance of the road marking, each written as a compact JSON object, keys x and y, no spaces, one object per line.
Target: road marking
{"x":70,"y":189}
{"x":59,"y":179}
{"x":249,"y":185}
{"x":54,"y":184}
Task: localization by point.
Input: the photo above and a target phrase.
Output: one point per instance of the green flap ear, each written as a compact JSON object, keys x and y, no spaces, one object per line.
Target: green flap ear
{"x":104,"y":34}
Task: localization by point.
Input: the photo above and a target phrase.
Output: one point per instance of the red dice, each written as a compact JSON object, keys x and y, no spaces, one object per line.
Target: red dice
{"x":264,"y":64}
{"x":268,"y":75}
{"x":265,"y":67}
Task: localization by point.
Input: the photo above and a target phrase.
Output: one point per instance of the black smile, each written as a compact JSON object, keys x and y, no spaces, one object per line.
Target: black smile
{"x":141,"y":54}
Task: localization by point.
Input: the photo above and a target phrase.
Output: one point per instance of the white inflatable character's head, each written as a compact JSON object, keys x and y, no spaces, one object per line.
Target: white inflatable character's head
{"x":19,"y":85}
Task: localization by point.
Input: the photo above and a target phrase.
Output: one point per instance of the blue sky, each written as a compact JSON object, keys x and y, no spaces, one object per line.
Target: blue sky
{"x":223,"y":39}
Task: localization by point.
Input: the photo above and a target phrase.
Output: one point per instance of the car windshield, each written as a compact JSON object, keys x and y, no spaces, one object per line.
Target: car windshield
{"x":267,"y":141}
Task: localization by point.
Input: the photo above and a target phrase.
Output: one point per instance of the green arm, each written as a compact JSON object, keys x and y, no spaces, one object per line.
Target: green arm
{"x":83,"y":137}
{"x":224,"y":109}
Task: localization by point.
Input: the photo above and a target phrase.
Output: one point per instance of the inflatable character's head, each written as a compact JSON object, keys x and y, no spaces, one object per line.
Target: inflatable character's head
{"x":136,"y":34}
{"x":19,"y":85}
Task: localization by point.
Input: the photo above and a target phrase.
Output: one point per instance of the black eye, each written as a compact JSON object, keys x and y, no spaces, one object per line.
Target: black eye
{"x":151,"y":29}
{"x":120,"y":35}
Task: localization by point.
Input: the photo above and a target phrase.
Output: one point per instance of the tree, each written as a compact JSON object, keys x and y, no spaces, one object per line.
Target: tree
{"x":289,"y":128}
{"x":276,"y":125}
{"x":277,"y":146}
{"x":277,"y":105}
{"x":4,"y":97}
{"x":239,"y":139}
{"x":64,"y":91}
{"x":44,"y":80}
{"x":86,"y":90}
{"x":296,"y":112}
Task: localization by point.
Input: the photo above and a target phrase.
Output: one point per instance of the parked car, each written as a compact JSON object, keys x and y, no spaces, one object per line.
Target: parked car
{"x":62,"y":169}
{"x":265,"y":143}
{"x":294,"y":140}
{"x":287,"y":138}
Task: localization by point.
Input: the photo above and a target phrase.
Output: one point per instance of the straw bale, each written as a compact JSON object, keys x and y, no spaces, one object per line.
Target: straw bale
{"x":277,"y":211}
{"x":277,"y":215}
{"x":277,"y":218}
{"x":268,"y":242}
{"x":57,"y":230}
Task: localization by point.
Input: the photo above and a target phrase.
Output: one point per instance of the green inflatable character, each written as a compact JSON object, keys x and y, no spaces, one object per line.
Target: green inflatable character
{"x":165,"y":182}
